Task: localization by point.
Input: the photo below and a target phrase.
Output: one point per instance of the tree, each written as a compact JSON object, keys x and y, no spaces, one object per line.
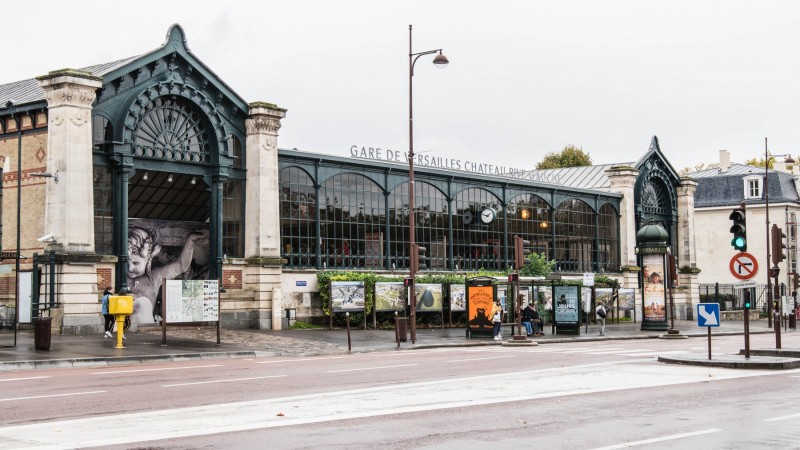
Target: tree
{"x":538,"y":266}
{"x":570,"y":156}
{"x":758,"y":162}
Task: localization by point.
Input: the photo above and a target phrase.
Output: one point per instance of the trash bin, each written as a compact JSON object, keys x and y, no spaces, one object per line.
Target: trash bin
{"x":401,"y":328}
{"x":41,"y":333}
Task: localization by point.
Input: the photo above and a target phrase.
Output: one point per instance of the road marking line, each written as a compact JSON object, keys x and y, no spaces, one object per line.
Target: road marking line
{"x":300,"y":360}
{"x":111,"y":372}
{"x":51,"y":396}
{"x":23,"y":379}
{"x":221,"y":381}
{"x":775,"y":419}
{"x":660,"y":439}
{"x":372,"y":368}
{"x":481,"y":359}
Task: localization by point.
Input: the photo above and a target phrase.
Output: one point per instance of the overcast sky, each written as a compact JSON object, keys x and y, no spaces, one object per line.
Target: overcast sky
{"x":525,"y":77}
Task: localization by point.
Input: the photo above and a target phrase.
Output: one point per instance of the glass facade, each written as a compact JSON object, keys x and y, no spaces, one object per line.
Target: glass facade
{"x":360,"y":220}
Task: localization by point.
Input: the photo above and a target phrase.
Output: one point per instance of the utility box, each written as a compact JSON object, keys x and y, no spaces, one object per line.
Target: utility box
{"x":120,"y":305}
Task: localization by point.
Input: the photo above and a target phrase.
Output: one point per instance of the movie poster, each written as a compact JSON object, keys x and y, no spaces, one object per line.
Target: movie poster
{"x":654,"y":288}
{"x":479,"y":306}
{"x":566,"y":307}
{"x":163,"y":249}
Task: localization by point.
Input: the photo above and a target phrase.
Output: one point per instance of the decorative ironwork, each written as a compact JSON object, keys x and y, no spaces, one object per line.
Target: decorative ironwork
{"x":169,"y":129}
{"x":654,"y":198}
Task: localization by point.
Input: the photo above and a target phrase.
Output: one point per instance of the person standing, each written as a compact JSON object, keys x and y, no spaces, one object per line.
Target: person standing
{"x":601,"y":313}
{"x":109,"y":319}
{"x":497,"y":320}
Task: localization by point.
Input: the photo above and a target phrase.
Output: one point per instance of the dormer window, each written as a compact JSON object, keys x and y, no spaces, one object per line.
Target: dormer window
{"x":752,"y":187}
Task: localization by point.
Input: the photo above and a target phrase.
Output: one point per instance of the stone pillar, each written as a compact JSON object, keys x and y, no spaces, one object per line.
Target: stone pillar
{"x":69,"y":206}
{"x":688,"y":292}
{"x":262,"y":221}
{"x":623,"y":180}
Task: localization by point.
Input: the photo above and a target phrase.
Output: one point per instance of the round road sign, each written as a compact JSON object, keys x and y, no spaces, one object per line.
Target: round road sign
{"x":744,"y":266}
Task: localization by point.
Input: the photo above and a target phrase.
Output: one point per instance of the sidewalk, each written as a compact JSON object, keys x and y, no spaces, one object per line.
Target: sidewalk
{"x":186,"y":343}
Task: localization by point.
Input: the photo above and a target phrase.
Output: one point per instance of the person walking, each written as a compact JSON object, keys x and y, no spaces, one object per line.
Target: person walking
{"x":601,"y":313}
{"x":497,"y":320}
{"x":109,"y":319}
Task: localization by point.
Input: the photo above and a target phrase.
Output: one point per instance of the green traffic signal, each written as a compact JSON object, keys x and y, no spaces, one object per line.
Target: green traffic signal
{"x":739,"y":229}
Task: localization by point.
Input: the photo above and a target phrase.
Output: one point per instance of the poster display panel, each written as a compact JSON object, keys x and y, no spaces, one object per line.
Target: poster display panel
{"x":566,"y":308}
{"x":192,"y":301}
{"x":429,"y":297}
{"x":605,"y":296}
{"x":347,"y":296}
{"x":479,"y":306}
{"x":627,"y":299}
{"x":458,"y":297}
{"x":654,"y":294}
{"x":389,"y":297}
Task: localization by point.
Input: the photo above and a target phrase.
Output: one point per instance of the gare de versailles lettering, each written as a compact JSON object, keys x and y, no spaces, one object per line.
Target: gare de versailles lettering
{"x":377,"y":153}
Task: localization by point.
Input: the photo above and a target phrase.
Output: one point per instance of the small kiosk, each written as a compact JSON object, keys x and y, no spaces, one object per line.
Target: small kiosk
{"x":651,"y":253}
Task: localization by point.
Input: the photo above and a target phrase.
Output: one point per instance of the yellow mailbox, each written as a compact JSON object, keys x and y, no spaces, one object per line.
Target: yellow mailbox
{"x":120,"y":304}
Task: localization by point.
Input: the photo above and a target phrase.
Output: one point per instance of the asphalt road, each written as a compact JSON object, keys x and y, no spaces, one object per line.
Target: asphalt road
{"x":604,"y":394}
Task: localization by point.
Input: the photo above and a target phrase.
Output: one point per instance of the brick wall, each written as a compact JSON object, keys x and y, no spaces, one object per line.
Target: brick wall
{"x":231,"y":279}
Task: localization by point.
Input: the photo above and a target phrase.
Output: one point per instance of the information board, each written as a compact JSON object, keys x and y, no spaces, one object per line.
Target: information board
{"x":192,"y":301}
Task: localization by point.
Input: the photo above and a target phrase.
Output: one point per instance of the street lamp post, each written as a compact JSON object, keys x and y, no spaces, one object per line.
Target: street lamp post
{"x":439,"y":61}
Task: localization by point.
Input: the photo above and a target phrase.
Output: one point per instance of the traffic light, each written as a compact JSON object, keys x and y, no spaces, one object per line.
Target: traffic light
{"x":739,"y":230}
{"x":521,"y":251}
{"x":747,"y":299}
{"x":513,"y":277}
{"x":777,"y":245}
{"x":407,"y":282}
{"x":418,"y":258}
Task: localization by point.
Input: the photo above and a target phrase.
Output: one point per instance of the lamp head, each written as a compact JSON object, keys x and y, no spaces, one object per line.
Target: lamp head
{"x":441,"y":61}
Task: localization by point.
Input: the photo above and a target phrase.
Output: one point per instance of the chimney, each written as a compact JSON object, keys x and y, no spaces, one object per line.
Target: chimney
{"x":724,"y":160}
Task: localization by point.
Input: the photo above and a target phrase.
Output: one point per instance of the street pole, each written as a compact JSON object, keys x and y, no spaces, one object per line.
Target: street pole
{"x":766,"y":214}
{"x":440,"y":61}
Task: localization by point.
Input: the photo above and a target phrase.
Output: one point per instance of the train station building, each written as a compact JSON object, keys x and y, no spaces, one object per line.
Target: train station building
{"x":150,"y":167}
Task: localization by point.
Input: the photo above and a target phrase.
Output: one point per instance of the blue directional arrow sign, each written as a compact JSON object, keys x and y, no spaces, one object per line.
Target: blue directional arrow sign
{"x":708,"y":315}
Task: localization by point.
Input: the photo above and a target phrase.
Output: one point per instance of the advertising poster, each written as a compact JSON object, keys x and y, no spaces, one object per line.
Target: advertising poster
{"x":389,"y":297}
{"x":158,"y":249}
{"x":566,"y":307}
{"x":192,"y":301}
{"x":654,"y":288}
{"x":429,"y":297}
{"x":458,"y":297}
{"x":347,"y":296}
{"x":479,"y":306}
{"x":502,"y":295}
{"x":627,"y":299}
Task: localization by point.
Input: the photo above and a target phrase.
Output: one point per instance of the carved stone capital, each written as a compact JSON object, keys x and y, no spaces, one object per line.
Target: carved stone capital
{"x":70,"y":88}
{"x":262,"y":125}
{"x":265,"y":118}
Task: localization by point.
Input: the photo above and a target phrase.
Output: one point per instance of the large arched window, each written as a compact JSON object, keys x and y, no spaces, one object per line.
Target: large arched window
{"x":575,"y":232}
{"x":608,"y":255}
{"x":351,"y":222}
{"x":298,"y":213}
{"x":477,"y":230}
{"x":171,"y":129}
{"x":528,"y":216}
{"x":430,"y":229}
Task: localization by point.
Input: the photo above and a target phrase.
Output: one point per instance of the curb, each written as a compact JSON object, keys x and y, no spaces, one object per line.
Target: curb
{"x":6,"y":366}
{"x":732,"y":362}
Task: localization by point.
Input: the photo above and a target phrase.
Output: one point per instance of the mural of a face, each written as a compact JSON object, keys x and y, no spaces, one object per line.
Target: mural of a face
{"x":140,"y":252}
